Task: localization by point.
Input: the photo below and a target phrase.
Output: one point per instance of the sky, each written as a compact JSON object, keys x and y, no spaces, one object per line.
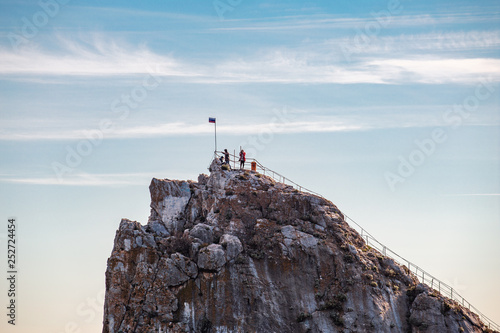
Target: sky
{"x":390,"y":109}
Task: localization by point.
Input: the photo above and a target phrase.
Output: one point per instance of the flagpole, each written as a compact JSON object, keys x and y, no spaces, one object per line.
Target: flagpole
{"x":214,"y":121}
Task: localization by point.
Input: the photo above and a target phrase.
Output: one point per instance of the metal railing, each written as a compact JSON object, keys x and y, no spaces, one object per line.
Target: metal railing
{"x":371,"y":241}
{"x":267,"y":172}
{"x":424,"y":277}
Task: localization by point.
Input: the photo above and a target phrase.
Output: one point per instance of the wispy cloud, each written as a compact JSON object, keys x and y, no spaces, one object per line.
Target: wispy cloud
{"x":274,"y":66}
{"x":181,"y":128}
{"x":101,"y":58}
{"x":134,"y":13}
{"x":436,"y":43}
{"x":322,"y":22}
{"x":474,"y":195}
{"x":300,"y":122}
{"x":84,"y":179}
{"x":436,"y":70}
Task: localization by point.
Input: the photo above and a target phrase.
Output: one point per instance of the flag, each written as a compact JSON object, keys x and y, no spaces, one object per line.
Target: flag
{"x":211,"y":120}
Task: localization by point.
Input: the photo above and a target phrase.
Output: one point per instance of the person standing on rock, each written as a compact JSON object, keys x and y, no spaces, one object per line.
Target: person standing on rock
{"x":226,"y":156}
{"x":242,"y":159}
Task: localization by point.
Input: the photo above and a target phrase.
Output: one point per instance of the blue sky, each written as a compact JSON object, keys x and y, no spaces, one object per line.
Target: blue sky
{"x":388,"y":108}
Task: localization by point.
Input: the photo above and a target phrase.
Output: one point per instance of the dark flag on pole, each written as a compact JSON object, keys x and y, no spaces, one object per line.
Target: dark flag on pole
{"x":211,"y":120}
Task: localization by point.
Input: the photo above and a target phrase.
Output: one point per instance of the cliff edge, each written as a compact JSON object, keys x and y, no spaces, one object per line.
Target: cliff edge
{"x":238,"y":252}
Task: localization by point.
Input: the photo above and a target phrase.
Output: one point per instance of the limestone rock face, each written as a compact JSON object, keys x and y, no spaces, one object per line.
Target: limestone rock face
{"x":238,"y":252}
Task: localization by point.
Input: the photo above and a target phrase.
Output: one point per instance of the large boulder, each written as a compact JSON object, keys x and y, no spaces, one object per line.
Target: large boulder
{"x":212,"y":257}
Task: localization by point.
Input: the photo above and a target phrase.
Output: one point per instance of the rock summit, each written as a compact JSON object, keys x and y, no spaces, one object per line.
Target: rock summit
{"x":238,"y":252}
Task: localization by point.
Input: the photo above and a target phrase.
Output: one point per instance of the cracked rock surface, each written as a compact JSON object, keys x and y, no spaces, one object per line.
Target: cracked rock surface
{"x":238,"y":252}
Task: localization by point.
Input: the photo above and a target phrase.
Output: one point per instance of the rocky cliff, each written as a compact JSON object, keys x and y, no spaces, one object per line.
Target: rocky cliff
{"x":238,"y":252}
